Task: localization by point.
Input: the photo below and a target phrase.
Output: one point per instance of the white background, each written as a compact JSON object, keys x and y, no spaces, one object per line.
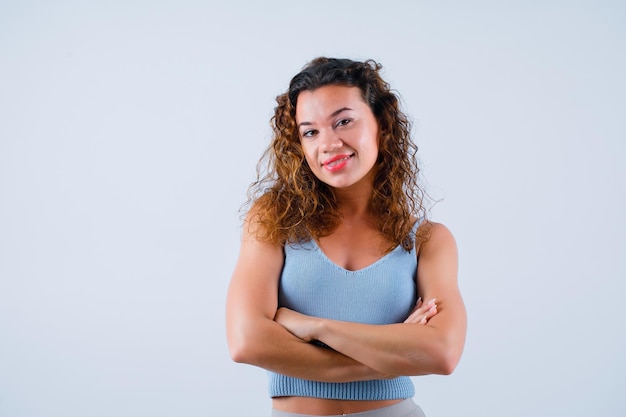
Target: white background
{"x":130,"y":130}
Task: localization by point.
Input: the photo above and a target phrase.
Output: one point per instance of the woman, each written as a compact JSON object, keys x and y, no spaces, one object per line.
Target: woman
{"x":337,"y":256}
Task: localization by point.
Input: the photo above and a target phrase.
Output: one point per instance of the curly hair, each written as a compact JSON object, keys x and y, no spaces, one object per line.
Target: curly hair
{"x":290,"y":204}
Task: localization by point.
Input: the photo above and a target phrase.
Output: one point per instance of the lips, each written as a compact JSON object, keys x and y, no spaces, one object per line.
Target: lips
{"x":336,"y":162}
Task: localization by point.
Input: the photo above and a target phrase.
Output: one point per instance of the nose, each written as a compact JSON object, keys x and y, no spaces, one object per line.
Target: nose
{"x":330,"y":141}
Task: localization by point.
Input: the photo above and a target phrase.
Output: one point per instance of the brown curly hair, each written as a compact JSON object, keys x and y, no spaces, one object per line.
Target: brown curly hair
{"x":290,"y":204}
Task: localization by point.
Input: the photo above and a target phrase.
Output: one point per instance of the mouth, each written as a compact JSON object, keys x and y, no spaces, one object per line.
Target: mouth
{"x":336,"y":161}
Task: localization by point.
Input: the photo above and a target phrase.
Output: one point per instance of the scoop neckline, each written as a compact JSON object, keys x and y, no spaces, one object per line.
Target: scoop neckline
{"x":380,"y":260}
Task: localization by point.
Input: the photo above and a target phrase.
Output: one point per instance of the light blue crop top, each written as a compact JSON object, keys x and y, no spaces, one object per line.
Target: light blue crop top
{"x":382,"y":293}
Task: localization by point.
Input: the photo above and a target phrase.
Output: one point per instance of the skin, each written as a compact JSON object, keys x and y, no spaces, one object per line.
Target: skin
{"x":334,"y":121}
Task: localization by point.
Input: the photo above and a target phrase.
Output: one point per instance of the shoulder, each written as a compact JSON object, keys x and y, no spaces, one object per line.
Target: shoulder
{"x":438,"y":264}
{"x":438,"y":238}
{"x":258,"y":225}
{"x":257,"y":252}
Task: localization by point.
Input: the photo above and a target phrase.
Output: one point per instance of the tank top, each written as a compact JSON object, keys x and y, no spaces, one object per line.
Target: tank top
{"x":381,"y":293}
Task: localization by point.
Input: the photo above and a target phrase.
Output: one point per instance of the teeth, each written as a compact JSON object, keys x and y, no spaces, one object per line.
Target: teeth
{"x":337,"y":161}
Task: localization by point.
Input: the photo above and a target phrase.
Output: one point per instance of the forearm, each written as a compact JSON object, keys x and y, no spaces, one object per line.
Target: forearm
{"x":430,"y":341}
{"x":396,"y":349}
{"x":266,"y":344}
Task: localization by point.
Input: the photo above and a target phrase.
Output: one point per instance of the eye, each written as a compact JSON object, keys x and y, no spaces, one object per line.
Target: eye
{"x":343,"y":122}
{"x":309,"y":133}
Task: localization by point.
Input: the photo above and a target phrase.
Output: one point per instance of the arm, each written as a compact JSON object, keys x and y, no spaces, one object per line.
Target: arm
{"x":256,"y":339}
{"x":409,"y":348}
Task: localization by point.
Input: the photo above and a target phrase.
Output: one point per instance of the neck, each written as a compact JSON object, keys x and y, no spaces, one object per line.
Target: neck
{"x":354,"y":201}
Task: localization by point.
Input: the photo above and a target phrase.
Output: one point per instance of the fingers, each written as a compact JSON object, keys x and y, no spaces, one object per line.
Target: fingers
{"x":431,"y":307}
{"x":422,"y":312}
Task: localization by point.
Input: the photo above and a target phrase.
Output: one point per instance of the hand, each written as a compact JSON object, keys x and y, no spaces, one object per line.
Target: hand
{"x":422,"y":312}
{"x":298,"y":324}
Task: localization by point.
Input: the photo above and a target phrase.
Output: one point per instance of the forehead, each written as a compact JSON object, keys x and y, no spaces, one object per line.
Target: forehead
{"x":325,"y":100}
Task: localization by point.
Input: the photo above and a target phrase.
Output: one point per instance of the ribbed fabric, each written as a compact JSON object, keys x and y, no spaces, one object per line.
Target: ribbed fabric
{"x":382,"y":293}
{"x":379,"y":389}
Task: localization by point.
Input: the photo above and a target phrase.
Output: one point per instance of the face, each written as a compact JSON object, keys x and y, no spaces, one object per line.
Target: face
{"x":339,"y":135}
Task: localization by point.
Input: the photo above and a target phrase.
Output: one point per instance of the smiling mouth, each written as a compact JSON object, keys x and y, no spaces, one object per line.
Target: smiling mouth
{"x":333,"y":162}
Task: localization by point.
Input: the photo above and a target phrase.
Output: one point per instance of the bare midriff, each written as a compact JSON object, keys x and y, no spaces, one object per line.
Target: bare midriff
{"x":326,"y":407}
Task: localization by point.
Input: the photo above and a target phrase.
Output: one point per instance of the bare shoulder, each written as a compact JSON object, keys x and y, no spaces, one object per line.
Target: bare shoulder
{"x":437,"y":266}
{"x":439,"y":239}
{"x":253,"y":245}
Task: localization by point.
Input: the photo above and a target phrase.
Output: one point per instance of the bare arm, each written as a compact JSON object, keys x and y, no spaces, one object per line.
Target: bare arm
{"x":256,"y":339}
{"x":408,"y":348}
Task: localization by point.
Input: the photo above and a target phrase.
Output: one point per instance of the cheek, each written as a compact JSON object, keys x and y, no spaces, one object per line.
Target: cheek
{"x":370,"y":142}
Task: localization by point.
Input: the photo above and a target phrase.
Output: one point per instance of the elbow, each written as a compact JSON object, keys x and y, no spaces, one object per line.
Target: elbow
{"x":242,"y":351}
{"x":238,"y":353}
{"x":240,"y":348}
{"x":447,"y":362}
{"x":447,"y":352}
{"x":446,"y":359}
{"x":250,"y":341}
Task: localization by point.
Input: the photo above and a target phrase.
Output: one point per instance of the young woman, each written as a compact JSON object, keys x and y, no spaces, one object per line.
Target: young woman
{"x":343,"y":289}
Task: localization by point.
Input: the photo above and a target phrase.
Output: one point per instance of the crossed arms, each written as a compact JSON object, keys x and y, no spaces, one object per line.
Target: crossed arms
{"x":430,"y":341}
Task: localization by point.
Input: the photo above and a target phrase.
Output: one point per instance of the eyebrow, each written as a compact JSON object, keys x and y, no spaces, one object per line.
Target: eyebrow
{"x":333,"y":114}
